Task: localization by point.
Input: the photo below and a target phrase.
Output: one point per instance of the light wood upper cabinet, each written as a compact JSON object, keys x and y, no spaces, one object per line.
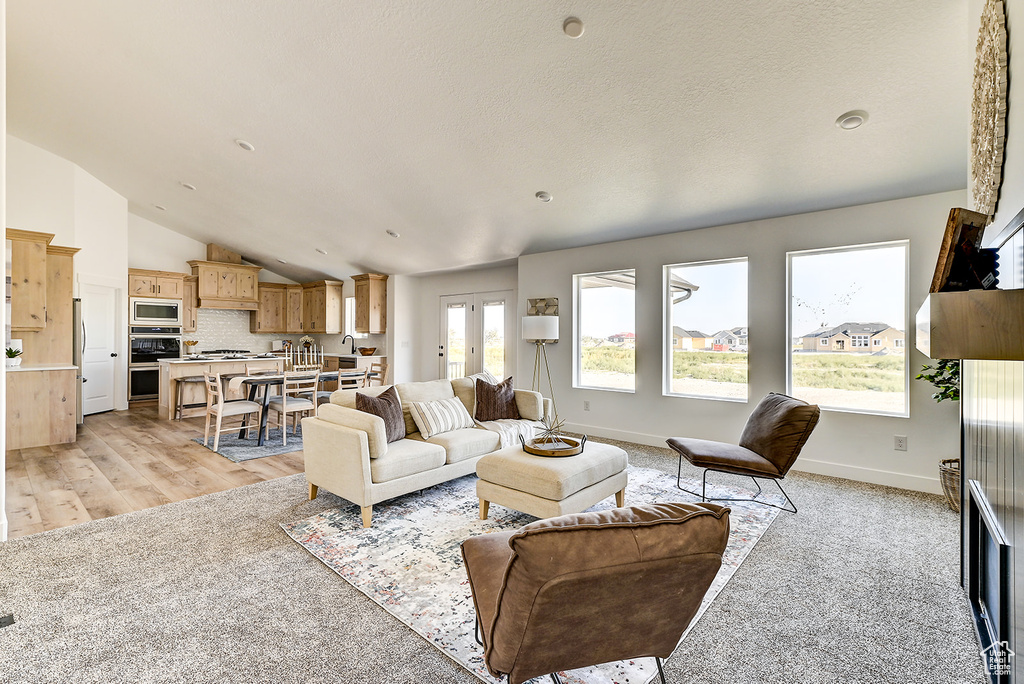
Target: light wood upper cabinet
{"x":226,"y":286}
{"x":156,"y":284}
{"x":189,"y":293}
{"x":293,"y":308}
{"x":270,"y":317}
{"x":371,"y":303}
{"x":322,"y":307}
{"x":28,"y":279}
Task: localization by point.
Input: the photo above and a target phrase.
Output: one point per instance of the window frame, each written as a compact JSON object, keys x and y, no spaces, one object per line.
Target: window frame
{"x":667,"y":332}
{"x":905,"y":243}
{"x":577,"y":331}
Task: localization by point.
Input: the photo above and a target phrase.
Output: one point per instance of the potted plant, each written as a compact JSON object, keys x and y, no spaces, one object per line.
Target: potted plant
{"x":945,"y":377}
{"x":13,"y":356}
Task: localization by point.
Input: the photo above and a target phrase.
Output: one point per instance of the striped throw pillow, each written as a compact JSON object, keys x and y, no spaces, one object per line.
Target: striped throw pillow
{"x":444,"y":415}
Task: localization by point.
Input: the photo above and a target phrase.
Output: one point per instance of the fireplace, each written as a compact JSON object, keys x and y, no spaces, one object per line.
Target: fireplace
{"x":988,"y":581}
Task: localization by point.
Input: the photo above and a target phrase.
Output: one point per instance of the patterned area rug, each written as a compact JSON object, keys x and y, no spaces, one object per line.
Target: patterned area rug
{"x":410,"y":563}
{"x":238,"y":450}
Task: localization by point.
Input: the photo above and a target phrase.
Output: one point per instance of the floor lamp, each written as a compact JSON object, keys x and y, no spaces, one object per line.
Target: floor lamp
{"x":540,"y":330}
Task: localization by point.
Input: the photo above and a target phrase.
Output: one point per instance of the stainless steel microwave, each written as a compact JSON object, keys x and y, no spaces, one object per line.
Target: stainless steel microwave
{"x":155,"y":311}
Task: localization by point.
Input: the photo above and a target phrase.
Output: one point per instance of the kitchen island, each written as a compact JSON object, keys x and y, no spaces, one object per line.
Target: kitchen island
{"x":195,"y":393}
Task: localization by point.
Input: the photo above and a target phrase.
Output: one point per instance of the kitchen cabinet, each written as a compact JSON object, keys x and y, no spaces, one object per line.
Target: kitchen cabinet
{"x":45,"y":411}
{"x":189,"y":294}
{"x":293,"y":308}
{"x":156,"y":284}
{"x":371,"y":303}
{"x":271,"y":314}
{"x":28,"y":279}
{"x":322,"y":307}
{"x":53,"y":344}
{"x":226,"y":286}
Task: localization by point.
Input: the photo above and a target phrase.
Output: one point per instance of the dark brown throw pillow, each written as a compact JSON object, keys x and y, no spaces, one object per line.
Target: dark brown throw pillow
{"x":494,"y":402}
{"x":388,"y":406}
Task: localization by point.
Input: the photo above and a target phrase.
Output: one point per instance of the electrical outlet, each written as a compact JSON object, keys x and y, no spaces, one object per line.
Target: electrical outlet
{"x":899,"y":442}
{"x":6,"y":620}
{"x":586,"y":405}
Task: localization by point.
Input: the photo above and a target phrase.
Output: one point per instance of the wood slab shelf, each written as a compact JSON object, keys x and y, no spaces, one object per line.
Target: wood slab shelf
{"x":978,"y":324}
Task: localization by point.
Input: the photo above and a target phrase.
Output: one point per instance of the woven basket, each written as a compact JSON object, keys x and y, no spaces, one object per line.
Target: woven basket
{"x":949,"y":475}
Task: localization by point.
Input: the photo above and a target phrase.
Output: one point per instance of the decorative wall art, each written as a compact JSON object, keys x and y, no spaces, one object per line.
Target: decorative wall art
{"x":988,"y":110}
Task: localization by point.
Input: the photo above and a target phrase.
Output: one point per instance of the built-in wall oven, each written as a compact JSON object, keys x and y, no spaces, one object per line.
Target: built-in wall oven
{"x":154,"y":311}
{"x":148,"y":344}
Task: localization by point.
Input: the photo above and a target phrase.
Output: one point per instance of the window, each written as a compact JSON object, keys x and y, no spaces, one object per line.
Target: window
{"x":605,"y":355}
{"x":706,"y":321}
{"x":824,"y":341}
{"x":350,"y":319}
{"x":857,"y":294}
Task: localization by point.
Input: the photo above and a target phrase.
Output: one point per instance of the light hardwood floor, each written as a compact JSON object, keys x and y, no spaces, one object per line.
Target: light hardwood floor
{"x":123,"y":461}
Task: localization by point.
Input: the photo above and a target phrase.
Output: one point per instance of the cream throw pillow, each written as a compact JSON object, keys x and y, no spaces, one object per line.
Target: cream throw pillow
{"x":444,"y":415}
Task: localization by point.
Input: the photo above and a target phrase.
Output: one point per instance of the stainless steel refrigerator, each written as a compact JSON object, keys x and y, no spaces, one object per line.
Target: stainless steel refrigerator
{"x":78,"y":346}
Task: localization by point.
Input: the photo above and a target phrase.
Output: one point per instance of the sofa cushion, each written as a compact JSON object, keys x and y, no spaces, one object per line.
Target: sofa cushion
{"x":530,"y":404}
{"x":347,"y":397}
{"x":388,"y":407}
{"x":444,"y":415}
{"x":421,"y":391}
{"x":373,"y":426}
{"x":494,"y":402}
{"x":460,"y":445}
{"x":406,"y":457}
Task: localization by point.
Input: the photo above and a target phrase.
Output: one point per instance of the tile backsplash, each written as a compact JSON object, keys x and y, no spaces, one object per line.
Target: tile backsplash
{"x":229,"y":329}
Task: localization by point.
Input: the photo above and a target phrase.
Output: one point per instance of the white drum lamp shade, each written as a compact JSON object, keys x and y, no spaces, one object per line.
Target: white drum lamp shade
{"x":540,"y":327}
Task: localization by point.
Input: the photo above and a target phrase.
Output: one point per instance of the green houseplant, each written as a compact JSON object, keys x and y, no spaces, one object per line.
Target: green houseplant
{"x":944,"y":375}
{"x":13,"y":356}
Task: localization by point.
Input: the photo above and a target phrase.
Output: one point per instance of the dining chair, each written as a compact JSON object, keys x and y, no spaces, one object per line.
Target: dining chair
{"x":352,"y":382}
{"x":298,"y":397}
{"x":378,"y":372}
{"x":218,"y":408}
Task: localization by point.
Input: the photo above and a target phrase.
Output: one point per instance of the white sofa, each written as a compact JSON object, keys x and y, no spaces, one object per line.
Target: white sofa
{"x":347,"y":453}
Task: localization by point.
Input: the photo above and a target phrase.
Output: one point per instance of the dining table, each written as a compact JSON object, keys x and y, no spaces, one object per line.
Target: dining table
{"x":255,"y":382}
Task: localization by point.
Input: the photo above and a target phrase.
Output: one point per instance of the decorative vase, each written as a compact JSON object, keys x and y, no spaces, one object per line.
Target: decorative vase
{"x":16,"y":361}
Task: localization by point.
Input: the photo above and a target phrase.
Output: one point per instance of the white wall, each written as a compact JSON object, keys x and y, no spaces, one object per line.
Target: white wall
{"x":41,"y":186}
{"x":425,"y":292}
{"x":3,"y":216}
{"x":844,"y":444}
{"x":153,"y":247}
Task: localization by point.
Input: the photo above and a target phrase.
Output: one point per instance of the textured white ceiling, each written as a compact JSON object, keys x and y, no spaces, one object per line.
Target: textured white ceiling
{"x":441,"y":120}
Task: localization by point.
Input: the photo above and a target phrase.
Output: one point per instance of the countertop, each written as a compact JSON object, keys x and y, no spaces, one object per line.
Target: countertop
{"x":42,"y":367}
{"x":217,"y":359}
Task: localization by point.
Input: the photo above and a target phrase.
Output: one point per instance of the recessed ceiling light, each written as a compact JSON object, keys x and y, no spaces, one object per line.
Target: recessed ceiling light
{"x":281,"y":261}
{"x":187,"y":186}
{"x":322,"y":251}
{"x":159,"y":208}
{"x":852,"y":119}
{"x":393,"y":233}
{"x":246,"y":145}
{"x":544,"y":196}
{"x":573,"y":27}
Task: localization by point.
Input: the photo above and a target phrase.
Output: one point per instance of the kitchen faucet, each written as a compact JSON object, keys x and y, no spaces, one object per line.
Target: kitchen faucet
{"x":353,"y":347}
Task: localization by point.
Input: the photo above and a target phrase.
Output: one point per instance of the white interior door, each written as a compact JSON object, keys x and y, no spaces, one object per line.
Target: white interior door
{"x":477,"y":332}
{"x":99,"y":347}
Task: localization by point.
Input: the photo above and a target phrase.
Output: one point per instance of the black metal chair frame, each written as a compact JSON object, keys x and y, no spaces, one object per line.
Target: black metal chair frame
{"x":704,"y":488}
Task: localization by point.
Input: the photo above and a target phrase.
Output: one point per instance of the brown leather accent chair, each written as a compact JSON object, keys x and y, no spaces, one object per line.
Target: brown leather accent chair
{"x":772,"y":439}
{"x":591,"y":588}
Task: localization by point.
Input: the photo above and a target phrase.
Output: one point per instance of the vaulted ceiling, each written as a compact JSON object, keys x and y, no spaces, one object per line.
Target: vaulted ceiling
{"x":441,"y":121}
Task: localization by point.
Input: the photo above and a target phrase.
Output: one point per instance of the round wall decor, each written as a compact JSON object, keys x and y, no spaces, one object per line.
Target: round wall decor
{"x":988,"y":109}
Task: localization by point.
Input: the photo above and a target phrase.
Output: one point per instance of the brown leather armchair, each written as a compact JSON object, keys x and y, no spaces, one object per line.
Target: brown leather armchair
{"x":775,"y":433}
{"x":591,"y":588}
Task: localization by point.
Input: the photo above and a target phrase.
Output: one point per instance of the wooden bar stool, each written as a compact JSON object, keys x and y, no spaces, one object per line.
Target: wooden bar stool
{"x":178,"y":406}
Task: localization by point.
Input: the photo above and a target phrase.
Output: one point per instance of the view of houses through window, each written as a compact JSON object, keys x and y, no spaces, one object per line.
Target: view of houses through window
{"x":707,"y":319}
{"x":606,"y":327}
{"x":848,"y":313}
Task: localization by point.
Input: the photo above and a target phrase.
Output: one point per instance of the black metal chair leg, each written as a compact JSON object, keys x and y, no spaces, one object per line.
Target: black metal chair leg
{"x":704,"y":488}
{"x":661,"y":672}
{"x":476,"y":631}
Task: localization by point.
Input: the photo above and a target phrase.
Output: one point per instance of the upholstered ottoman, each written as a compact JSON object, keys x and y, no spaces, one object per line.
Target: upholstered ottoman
{"x":547,"y":487}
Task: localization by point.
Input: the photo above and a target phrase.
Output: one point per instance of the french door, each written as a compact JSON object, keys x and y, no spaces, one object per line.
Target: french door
{"x":477,"y":332}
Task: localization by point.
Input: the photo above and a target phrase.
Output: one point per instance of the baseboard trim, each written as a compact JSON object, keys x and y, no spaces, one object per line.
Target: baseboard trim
{"x":887,"y":478}
{"x":3,"y":526}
